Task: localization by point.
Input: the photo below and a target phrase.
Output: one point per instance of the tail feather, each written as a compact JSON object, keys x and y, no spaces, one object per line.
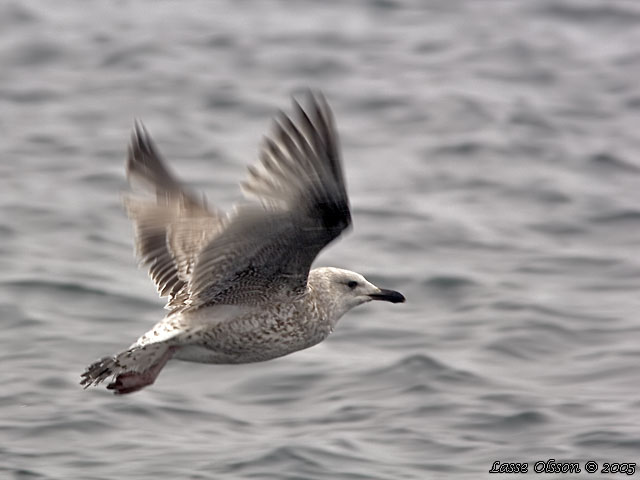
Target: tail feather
{"x":132,"y":369}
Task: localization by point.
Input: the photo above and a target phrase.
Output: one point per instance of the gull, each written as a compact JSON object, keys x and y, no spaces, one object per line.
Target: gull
{"x":240,"y":286}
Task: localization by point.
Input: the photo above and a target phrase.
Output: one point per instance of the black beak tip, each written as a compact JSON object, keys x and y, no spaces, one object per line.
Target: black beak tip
{"x":388,"y":296}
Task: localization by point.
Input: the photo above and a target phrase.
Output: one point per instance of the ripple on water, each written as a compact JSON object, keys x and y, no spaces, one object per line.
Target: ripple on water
{"x":279,"y":388}
{"x":515,"y":422}
{"x":16,"y":14}
{"x":607,"y":162}
{"x":608,"y":440}
{"x":613,"y":14}
{"x":308,"y":462}
{"x":25,"y":474}
{"x":418,"y":368}
{"x":448,"y":282}
{"x":629,"y":217}
{"x":77,"y":290}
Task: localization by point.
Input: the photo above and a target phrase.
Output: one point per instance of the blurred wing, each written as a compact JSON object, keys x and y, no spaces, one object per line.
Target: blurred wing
{"x":170,"y":228}
{"x":268,"y":249}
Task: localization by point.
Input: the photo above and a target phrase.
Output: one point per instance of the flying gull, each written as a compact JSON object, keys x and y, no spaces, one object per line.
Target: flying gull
{"x":239,"y":285}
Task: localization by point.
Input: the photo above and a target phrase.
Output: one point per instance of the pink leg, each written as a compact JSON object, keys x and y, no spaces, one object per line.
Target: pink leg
{"x":130,"y":382}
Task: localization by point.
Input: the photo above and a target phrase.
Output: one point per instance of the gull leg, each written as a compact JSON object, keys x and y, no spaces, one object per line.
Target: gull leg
{"x":130,"y":382}
{"x":133,"y":369}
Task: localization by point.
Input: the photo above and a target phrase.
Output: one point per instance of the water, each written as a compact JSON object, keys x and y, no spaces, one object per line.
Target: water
{"x":491,"y":155}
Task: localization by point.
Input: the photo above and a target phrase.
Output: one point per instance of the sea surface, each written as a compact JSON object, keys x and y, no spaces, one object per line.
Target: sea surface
{"x":492,"y":156}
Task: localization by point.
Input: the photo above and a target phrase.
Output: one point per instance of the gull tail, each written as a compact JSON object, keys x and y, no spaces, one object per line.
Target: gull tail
{"x":132,"y":369}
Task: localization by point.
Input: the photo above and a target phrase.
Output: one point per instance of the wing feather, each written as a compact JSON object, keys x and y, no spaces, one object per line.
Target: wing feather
{"x":171,"y":227}
{"x":268,"y":250}
{"x":197,"y":256}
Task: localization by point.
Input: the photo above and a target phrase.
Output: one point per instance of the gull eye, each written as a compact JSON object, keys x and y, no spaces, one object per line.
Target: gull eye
{"x":352,"y":284}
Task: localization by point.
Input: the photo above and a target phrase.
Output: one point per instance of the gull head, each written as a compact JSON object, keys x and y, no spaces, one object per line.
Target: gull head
{"x":344,"y":289}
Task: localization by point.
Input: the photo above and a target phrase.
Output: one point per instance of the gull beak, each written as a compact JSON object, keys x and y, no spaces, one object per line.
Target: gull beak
{"x":387,"y":295}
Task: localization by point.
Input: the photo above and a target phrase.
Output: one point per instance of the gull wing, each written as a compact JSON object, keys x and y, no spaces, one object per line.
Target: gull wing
{"x":172,"y":227}
{"x":268,"y":249}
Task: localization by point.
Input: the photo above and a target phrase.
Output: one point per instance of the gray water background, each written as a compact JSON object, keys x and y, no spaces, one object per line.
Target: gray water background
{"x":491,"y":150}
